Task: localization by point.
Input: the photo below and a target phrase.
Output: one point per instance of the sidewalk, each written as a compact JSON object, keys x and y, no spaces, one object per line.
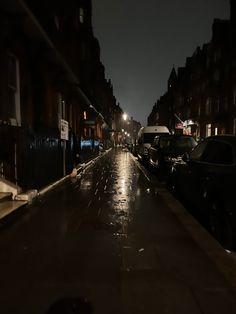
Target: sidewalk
{"x":224,"y":260}
{"x":9,"y":206}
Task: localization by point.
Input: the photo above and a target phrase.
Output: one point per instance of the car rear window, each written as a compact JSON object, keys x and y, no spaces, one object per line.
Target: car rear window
{"x":218,"y":153}
{"x":187,"y":142}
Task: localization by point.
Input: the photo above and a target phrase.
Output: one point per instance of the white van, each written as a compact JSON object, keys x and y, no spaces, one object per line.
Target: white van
{"x":145,"y":138}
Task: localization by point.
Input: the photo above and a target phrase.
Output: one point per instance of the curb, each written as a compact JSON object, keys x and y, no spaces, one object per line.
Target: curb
{"x":27,"y":198}
{"x":81,"y":168}
{"x":221,"y":257}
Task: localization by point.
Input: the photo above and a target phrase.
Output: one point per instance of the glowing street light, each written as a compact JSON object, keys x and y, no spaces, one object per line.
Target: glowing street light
{"x":125,"y":116}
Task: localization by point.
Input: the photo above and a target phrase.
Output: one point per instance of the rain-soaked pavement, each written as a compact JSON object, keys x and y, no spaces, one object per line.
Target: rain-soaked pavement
{"x":108,"y":236}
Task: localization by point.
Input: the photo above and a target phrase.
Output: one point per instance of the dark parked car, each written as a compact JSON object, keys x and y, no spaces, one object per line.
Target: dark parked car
{"x":206,"y":178}
{"x":167,"y":149}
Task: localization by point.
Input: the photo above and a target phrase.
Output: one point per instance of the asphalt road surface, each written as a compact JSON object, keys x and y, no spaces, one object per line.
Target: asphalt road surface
{"x":108,"y":236}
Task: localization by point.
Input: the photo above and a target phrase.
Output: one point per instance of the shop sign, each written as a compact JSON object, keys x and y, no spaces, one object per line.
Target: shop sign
{"x":179,"y":125}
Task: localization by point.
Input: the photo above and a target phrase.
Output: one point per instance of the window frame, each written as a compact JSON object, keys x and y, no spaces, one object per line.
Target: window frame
{"x":14,"y":109}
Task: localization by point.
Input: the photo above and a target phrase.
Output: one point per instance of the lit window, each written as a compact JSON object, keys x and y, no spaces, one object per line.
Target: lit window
{"x":208,"y":130}
{"x":81,"y":15}
{"x":85,"y":115}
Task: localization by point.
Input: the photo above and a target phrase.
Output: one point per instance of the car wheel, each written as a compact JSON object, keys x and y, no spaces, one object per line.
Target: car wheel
{"x":220,"y":226}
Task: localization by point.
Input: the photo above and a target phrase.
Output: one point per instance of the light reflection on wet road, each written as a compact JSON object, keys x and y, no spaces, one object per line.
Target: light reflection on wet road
{"x":106,"y":236}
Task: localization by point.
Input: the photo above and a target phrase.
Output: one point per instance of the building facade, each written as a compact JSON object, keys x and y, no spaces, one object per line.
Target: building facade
{"x":201,"y":100}
{"x":55,"y":102}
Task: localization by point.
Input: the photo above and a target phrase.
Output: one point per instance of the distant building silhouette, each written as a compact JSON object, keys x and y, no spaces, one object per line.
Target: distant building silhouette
{"x":201,"y":97}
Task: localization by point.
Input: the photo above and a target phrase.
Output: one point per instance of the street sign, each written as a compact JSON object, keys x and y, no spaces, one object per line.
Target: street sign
{"x":64,"y":130}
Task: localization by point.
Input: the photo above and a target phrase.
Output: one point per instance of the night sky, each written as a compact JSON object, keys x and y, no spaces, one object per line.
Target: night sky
{"x":141,"y":41}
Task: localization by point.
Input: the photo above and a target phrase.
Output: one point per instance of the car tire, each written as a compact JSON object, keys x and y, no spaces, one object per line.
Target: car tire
{"x":220,"y":226}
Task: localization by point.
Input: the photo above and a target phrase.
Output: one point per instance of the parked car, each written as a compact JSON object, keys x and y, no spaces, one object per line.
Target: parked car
{"x":206,"y":178}
{"x":167,"y":149}
{"x":145,"y":139}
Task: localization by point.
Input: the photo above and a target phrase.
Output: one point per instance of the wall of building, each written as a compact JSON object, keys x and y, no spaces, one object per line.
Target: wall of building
{"x":50,"y":65}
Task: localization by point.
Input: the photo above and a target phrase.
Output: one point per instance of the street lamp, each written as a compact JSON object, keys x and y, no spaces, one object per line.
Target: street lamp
{"x":125,"y":116}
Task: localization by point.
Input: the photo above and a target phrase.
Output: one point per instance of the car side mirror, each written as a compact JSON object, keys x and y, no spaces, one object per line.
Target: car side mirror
{"x":186,"y":157}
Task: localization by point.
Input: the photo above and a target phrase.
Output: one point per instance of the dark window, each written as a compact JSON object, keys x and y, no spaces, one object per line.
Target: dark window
{"x":11,"y":108}
{"x":12,"y":72}
{"x":218,"y":153}
{"x":156,"y":141}
{"x":57,"y":22}
{"x":149,"y":137}
{"x":12,"y":87}
{"x":83,"y":51}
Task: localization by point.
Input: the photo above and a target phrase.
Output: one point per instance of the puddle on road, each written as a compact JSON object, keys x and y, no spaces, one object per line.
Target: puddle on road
{"x":124,"y":185}
{"x":120,"y":191}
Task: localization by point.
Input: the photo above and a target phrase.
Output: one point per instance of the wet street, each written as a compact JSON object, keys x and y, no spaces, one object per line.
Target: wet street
{"x":111,"y":237}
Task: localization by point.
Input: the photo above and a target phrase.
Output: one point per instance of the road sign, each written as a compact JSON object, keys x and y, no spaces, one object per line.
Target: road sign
{"x":64,"y":130}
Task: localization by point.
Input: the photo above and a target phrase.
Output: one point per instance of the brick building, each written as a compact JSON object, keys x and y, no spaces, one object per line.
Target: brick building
{"x":51,"y":80}
{"x":202,"y":98}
